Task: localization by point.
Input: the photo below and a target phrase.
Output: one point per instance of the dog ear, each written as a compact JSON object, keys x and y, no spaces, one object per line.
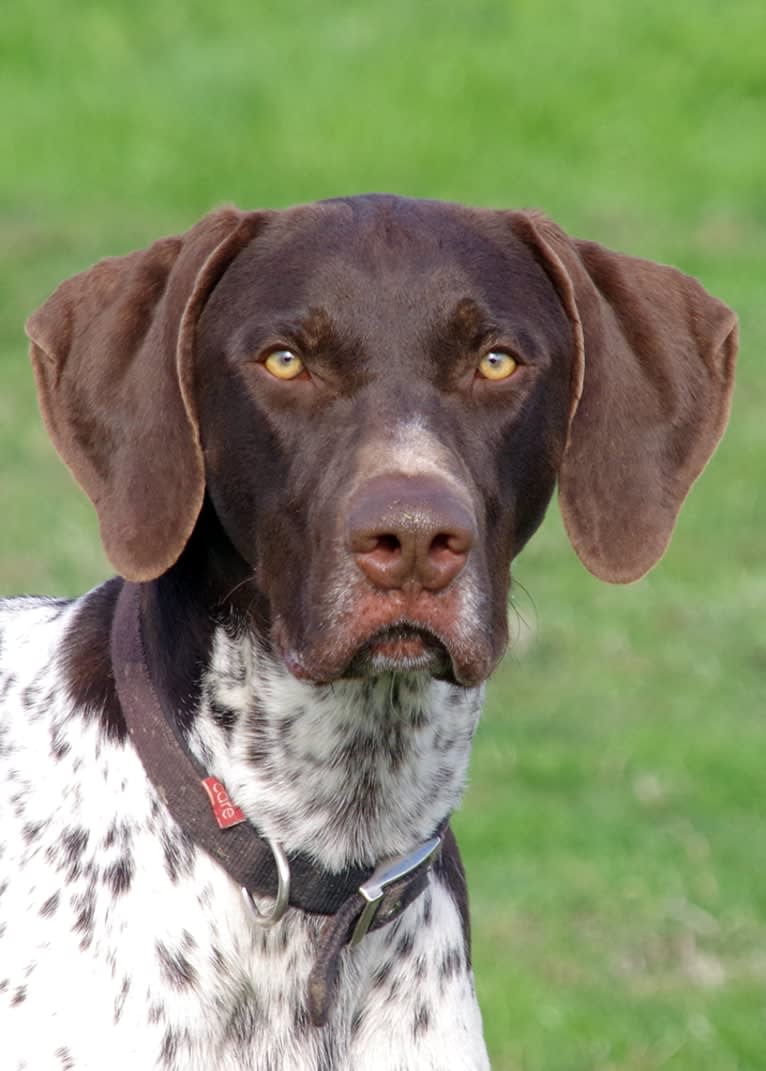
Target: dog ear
{"x":651,"y":389}
{"x":112,"y":352}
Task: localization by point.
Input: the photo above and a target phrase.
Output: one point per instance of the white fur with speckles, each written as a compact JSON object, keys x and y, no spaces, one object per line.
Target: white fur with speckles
{"x":169,"y":972}
{"x":353,"y":771}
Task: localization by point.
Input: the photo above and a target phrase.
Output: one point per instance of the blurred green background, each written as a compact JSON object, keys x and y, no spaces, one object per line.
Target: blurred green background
{"x":614,"y":826}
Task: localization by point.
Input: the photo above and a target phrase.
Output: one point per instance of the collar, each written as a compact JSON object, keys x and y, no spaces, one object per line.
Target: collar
{"x":352,"y":901}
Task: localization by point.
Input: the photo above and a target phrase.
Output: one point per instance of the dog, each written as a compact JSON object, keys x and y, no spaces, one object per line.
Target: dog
{"x":315,"y":440}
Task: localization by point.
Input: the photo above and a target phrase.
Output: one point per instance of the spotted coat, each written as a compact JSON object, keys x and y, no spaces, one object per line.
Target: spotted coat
{"x":123,"y":945}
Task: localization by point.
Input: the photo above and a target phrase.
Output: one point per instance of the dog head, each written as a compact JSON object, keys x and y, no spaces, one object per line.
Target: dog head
{"x":377,"y":397}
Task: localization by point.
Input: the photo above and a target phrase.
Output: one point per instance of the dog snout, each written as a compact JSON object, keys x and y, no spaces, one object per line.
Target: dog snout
{"x":410,"y":533}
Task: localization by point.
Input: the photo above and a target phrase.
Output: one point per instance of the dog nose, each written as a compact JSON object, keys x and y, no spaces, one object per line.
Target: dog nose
{"x":409,"y":532}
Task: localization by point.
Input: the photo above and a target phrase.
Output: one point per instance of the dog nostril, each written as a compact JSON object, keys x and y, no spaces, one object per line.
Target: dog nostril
{"x":384,"y":545}
{"x":444,"y":558}
{"x":388,"y":546}
{"x":448,"y":544}
{"x":382,"y":557}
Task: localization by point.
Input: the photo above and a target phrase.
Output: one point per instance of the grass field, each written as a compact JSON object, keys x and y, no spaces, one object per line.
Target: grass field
{"x":614,"y":828}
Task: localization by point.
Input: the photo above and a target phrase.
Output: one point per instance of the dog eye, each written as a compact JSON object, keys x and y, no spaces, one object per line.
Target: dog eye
{"x":497,"y":365}
{"x":284,"y":364}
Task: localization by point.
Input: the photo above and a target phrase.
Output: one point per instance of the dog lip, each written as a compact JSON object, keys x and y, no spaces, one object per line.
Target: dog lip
{"x":405,"y":629}
{"x":400,"y":647}
{"x":421,"y":648}
{"x":421,"y":640}
{"x":429,"y":653}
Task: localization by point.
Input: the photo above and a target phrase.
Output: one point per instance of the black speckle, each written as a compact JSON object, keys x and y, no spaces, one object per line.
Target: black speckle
{"x":19,"y":996}
{"x":19,"y":804}
{"x":382,"y":974}
{"x":428,"y":908}
{"x":451,"y":962}
{"x":30,"y":696}
{"x":8,"y":684}
{"x":169,"y":1047}
{"x":217,"y":960}
{"x":64,"y":1055}
{"x":118,"y":832}
{"x":176,"y":969}
{"x":223,"y":716}
{"x":422,"y":1020}
{"x":156,"y":1013}
{"x":301,"y":1021}
{"x":405,"y":945}
{"x":179,"y":852}
{"x":286,"y":725}
{"x":6,"y":747}
{"x":245,"y":1019}
{"x":31,"y":830}
{"x":119,"y":875}
{"x":259,"y":746}
{"x":449,"y":965}
{"x":74,"y":842}
{"x":119,"y":1002}
{"x":59,"y":746}
{"x":85,"y":907}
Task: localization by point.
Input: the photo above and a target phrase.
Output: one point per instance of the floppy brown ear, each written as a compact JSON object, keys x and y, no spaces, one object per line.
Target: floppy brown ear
{"x":112,"y":353}
{"x":651,"y":390}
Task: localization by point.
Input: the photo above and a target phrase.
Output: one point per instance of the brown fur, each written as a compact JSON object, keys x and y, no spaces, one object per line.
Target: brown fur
{"x":151,"y":386}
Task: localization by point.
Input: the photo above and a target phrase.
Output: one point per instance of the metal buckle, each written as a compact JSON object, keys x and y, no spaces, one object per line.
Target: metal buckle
{"x":283,"y":890}
{"x":389,"y":873}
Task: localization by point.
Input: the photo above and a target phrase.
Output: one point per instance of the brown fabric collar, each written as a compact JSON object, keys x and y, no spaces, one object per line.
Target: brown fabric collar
{"x":344,"y":897}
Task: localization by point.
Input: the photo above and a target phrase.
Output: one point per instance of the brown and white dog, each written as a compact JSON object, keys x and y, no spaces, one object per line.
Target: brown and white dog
{"x":315,"y":440}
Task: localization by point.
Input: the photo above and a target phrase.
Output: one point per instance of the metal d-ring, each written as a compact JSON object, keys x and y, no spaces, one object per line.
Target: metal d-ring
{"x":282,"y":899}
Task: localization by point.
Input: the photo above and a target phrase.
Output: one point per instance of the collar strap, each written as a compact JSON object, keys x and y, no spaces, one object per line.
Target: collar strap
{"x":354,"y":900}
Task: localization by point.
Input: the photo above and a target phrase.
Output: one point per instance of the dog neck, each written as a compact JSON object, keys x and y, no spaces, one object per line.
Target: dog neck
{"x":350,"y":772}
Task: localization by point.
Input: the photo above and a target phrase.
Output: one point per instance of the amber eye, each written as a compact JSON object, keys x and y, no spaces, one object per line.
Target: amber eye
{"x":497,"y":365}
{"x":284,"y":364}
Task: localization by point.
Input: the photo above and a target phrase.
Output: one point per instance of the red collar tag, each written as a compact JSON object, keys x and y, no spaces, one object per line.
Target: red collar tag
{"x":226,"y":813}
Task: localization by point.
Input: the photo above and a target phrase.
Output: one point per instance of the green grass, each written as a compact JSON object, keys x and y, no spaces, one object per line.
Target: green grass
{"x":614,"y":828}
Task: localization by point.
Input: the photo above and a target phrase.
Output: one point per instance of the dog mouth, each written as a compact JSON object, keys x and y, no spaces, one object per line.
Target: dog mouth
{"x":395,"y":635}
{"x":401,"y":648}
